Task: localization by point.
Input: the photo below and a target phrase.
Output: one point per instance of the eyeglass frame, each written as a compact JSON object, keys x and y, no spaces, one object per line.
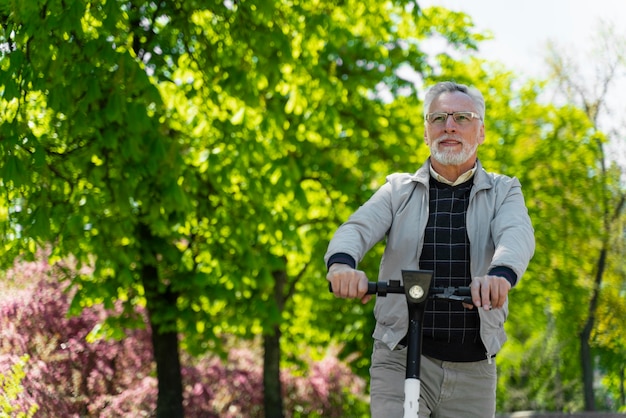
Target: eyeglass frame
{"x":473,"y":115}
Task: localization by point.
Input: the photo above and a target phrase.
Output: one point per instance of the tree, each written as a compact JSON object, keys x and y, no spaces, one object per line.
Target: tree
{"x":611,"y":203}
{"x":190,"y":153}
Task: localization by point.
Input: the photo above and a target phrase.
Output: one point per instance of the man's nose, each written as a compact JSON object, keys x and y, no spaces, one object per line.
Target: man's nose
{"x":450,"y":124}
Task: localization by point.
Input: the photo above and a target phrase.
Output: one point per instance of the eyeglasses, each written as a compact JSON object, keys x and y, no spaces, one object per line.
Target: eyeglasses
{"x":462,"y":118}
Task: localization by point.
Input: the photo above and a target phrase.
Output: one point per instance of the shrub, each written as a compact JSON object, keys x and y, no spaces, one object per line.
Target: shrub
{"x":70,"y":377}
{"x":65,"y":372}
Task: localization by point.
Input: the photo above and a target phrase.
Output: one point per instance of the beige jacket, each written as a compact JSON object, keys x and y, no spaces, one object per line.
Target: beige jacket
{"x":498,"y":227}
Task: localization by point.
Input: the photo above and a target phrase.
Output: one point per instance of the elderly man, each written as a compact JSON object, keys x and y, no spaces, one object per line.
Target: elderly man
{"x":471,"y":228}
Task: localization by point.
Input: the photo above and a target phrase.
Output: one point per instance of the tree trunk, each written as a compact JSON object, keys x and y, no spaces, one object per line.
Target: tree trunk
{"x":164,"y":343}
{"x":272,"y":387}
{"x":170,"y":398}
{"x":585,"y":336}
{"x":587,"y":367}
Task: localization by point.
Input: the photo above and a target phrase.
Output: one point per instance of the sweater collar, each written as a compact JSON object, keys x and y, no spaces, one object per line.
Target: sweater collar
{"x":462,"y":178}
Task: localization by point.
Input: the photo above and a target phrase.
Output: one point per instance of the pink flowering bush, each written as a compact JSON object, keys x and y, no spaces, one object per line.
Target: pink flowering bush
{"x":67,"y":376}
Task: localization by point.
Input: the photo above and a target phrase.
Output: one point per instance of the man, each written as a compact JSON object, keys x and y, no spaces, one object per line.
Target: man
{"x":471,"y":228}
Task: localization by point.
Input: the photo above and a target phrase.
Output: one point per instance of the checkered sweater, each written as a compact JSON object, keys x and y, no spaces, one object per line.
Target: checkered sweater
{"x":450,"y":331}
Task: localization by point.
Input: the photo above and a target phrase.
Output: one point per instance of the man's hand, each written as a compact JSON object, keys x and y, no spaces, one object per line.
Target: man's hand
{"x":347,"y":282}
{"x":490,"y":292}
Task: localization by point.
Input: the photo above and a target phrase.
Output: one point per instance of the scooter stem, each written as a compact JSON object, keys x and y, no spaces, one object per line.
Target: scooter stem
{"x":416,"y":287}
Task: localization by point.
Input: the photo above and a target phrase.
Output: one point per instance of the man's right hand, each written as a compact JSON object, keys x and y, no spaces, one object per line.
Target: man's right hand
{"x":347,"y":282}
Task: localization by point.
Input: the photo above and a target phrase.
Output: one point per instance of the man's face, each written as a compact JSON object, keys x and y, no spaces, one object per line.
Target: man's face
{"x":453,"y":143}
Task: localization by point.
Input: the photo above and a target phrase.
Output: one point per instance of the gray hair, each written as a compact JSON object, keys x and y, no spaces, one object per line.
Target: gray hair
{"x":451,"y":87}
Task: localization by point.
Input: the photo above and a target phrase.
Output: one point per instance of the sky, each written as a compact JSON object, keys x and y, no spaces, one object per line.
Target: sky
{"x":522,"y":28}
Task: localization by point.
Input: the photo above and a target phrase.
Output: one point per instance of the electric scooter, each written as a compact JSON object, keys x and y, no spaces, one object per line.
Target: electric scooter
{"x":416,"y":287}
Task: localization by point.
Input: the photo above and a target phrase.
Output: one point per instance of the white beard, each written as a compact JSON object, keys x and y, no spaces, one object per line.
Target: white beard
{"x":450,"y":157}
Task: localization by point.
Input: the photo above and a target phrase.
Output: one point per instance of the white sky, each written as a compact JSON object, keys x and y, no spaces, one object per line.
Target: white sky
{"x":521,"y":28}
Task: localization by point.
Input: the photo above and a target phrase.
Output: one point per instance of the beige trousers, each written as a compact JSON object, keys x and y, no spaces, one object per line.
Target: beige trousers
{"x":447,"y":389}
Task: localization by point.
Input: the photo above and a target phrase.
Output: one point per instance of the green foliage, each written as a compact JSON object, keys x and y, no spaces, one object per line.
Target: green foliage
{"x":207,"y":140}
{"x":11,"y":387}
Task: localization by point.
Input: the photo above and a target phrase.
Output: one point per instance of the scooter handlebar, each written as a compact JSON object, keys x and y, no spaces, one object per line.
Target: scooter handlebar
{"x":461,"y":293}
